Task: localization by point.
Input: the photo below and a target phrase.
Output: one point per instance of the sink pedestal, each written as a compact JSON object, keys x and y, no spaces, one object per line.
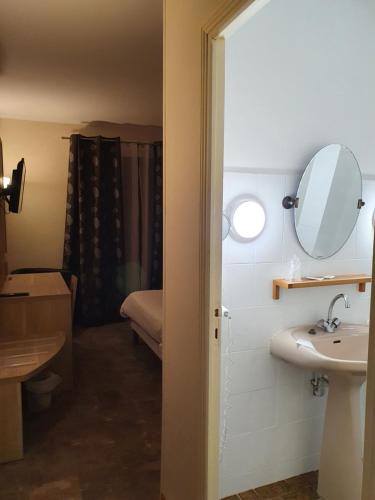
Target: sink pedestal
{"x":340,"y":472}
{"x":341,"y":355}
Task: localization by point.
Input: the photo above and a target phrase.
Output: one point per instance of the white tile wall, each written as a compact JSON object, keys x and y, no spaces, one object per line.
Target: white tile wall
{"x":273,"y":423}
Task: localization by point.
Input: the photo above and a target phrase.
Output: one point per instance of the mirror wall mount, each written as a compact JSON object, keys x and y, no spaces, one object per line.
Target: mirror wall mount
{"x":361,"y":204}
{"x":292,"y":202}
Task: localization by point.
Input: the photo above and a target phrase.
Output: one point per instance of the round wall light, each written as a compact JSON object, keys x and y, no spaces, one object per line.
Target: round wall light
{"x":247,"y":218}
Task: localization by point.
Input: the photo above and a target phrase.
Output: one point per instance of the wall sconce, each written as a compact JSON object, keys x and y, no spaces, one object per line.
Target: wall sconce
{"x":247,"y":218}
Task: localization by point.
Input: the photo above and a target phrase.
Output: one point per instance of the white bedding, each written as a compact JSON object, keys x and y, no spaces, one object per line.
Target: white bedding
{"x":145,"y":308}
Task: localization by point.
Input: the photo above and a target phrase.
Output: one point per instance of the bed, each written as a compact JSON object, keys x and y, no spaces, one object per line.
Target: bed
{"x":145,"y":311}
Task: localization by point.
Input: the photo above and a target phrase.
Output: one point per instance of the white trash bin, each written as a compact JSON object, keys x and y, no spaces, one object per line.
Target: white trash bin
{"x":39,"y":390}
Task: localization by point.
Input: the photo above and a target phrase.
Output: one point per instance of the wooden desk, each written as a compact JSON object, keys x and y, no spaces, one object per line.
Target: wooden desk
{"x":36,"y":330}
{"x":20,"y":360}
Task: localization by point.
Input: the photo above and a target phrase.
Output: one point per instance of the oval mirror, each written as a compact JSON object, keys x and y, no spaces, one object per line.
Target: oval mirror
{"x":328,"y":201}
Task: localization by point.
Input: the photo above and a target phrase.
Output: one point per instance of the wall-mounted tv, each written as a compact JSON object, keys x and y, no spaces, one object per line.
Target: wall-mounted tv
{"x":3,"y":239}
{"x":13,"y":193}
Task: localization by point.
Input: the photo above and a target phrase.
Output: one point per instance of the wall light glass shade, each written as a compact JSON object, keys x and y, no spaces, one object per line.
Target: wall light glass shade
{"x":6,"y":182}
{"x":247,"y":218}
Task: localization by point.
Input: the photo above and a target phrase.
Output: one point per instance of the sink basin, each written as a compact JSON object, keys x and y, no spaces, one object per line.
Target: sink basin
{"x":342,"y":356}
{"x":342,"y":351}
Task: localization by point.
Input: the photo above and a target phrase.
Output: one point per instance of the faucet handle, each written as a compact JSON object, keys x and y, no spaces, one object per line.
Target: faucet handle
{"x":336,"y":323}
{"x":328,"y":326}
{"x":322,"y":323}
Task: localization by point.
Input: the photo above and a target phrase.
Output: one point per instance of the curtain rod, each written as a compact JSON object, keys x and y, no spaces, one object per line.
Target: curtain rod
{"x":121,"y":142}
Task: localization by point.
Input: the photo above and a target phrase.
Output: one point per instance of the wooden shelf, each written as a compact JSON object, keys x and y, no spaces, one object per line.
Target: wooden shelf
{"x":347,"y":279}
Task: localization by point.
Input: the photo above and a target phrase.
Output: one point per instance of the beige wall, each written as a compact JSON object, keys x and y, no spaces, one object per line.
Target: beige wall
{"x":183,"y":465}
{"x":35,"y":236}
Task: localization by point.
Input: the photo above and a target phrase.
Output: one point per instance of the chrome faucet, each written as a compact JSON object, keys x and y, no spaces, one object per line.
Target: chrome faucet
{"x":330,"y":324}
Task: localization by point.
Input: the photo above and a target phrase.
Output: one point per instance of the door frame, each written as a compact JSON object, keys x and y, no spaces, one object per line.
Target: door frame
{"x":215,"y":260}
{"x":212,"y":147}
{"x":212,"y":170}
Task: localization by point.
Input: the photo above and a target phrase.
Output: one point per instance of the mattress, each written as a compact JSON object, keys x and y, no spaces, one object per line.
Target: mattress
{"x":145,"y":308}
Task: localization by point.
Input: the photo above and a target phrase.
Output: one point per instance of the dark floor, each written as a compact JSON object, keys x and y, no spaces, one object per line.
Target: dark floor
{"x":102,"y":441}
{"x":296,"y":488}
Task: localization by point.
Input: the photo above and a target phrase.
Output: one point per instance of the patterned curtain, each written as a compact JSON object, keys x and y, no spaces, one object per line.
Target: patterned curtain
{"x":142,"y":173}
{"x":114,"y":223}
{"x":94,"y":237}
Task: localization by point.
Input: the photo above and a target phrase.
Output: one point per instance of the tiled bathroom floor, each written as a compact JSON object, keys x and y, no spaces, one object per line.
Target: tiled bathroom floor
{"x":296,"y":488}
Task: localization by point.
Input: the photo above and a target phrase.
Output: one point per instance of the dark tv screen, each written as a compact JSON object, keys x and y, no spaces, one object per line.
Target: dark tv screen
{"x":16,"y":187}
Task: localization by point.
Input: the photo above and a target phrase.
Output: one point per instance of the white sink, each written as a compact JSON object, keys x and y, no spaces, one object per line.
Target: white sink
{"x":342,"y":351}
{"x":342,"y":356}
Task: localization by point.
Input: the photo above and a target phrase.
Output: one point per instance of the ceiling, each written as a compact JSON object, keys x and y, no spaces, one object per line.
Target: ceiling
{"x":75,"y":61}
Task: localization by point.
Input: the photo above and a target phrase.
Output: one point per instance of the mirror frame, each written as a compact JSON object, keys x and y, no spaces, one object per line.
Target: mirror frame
{"x":289,"y":202}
